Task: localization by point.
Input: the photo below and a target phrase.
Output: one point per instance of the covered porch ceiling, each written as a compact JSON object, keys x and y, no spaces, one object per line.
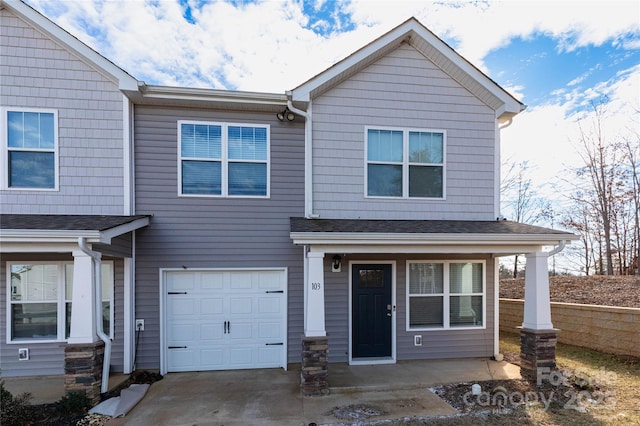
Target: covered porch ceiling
{"x":499,"y":238}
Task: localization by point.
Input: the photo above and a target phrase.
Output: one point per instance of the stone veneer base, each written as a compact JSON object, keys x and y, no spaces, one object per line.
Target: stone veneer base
{"x":83,"y":369}
{"x":314,"y":377}
{"x":537,"y":352}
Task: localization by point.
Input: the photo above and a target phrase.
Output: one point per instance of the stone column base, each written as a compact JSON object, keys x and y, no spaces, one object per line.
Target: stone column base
{"x":314,"y":378}
{"x":537,"y":352}
{"x":83,"y":369}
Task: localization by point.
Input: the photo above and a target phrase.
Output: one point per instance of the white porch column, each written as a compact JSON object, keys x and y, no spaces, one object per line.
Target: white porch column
{"x":314,"y":301}
{"x":83,"y":318}
{"x":537,"y":302}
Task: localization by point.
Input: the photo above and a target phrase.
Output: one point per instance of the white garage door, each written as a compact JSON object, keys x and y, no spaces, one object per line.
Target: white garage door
{"x":220,"y":320}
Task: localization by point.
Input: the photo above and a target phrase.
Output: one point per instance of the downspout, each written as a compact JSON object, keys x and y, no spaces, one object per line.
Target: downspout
{"x":308,"y":158}
{"x":561,"y":246}
{"x":97,"y":272}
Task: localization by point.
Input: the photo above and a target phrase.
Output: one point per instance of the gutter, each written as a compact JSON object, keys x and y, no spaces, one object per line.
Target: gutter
{"x":97,"y":271}
{"x":308,"y":157}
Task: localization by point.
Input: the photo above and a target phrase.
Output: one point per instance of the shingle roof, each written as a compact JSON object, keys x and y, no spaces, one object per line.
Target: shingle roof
{"x":64,"y":222}
{"x":302,"y":225}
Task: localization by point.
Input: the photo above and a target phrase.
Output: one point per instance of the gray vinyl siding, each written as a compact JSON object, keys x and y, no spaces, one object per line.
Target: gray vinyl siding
{"x":436,"y":343}
{"x":402,"y":90}
{"x":202,"y":232}
{"x":38,"y":73}
{"x":48,"y":358}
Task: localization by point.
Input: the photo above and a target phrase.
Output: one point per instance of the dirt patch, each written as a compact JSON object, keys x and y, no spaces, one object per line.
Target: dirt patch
{"x":621,"y":291}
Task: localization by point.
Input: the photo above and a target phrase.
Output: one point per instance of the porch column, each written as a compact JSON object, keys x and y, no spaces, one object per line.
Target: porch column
{"x":83,"y":318}
{"x":314,"y":376}
{"x":538,"y":338}
{"x":314,"y":325}
{"x":84,"y":352}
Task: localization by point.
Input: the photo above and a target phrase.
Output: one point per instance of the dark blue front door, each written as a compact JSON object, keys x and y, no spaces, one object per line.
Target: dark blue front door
{"x":371,"y":310}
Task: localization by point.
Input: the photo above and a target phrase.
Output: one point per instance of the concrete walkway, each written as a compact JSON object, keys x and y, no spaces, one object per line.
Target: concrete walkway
{"x":272,"y":397}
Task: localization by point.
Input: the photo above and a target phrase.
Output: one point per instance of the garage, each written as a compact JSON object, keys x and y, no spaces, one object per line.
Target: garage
{"x":224,"y":319}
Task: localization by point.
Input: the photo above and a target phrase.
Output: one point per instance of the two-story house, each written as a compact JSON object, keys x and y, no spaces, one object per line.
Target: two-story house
{"x":359,"y":210}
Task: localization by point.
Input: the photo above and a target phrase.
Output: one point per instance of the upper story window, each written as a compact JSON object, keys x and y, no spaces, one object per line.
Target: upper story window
{"x":222,"y":159}
{"x":30,"y":149}
{"x":446,"y":294}
{"x":405,"y":163}
{"x":40,"y":300}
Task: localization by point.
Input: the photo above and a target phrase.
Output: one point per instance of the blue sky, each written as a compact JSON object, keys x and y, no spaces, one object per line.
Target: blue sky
{"x":556,"y":56}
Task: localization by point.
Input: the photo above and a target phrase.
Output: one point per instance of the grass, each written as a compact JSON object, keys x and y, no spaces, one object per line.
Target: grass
{"x":619,"y":375}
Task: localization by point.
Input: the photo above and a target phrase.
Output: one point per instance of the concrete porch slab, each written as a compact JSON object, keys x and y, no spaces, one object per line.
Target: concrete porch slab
{"x":273,"y":397}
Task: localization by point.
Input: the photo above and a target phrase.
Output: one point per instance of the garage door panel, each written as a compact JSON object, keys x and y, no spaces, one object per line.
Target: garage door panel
{"x":181,"y":333}
{"x":226,"y":320}
{"x":240,"y":305}
{"x":212,"y":306}
{"x":271,"y":280}
{"x":181,"y":360}
{"x":212,"y":358}
{"x":241,"y":357}
{"x":240,"y":331}
{"x":182,"y":306}
{"x":211,"y":281}
{"x":181,"y":282}
{"x":269,"y":330}
{"x":211,"y":333}
{"x":269,"y":354}
{"x":270,"y":305}
{"x":241,"y":280}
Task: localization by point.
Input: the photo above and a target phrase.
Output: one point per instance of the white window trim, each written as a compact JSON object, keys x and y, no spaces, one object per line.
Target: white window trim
{"x":446,"y":295}
{"x":61,"y":301}
{"x":405,"y":162}
{"x":224,"y":159}
{"x":4,"y":151}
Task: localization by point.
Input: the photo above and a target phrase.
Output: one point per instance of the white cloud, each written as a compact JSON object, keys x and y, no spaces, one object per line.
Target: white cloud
{"x":267,"y":45}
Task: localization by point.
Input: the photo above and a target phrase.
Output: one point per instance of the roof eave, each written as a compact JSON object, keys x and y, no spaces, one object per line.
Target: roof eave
{"x":58,"y":236}
{"x":429,"y":239}
{"x":152,"y":94}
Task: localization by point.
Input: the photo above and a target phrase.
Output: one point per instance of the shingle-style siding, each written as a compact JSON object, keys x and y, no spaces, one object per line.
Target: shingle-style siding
{"x":436,"y":343}
{"x":38,"y":73}
{"x":48,"y":358}
{"x":202,"y":232}
{"x":402,"y":90}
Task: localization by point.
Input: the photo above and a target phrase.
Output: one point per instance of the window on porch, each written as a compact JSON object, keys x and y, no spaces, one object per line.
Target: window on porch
{"x":40,"y":300}
{"x":445,"y":294}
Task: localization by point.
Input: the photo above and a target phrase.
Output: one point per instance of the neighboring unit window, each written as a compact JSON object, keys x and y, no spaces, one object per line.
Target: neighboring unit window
{"x":31,"y":149}
{"x":40,"y":300}
{"x":220,"y":159}
{"x":445,"y":294}
{"x":405,"y":163}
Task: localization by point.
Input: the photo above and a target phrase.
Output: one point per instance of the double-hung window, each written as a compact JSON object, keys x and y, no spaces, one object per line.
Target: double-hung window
{"x":30,"y":149}
{"x":223,"y":159}
{"x":405,"y":163}
{"x":40,"y":300}
{"x":445,"y":294}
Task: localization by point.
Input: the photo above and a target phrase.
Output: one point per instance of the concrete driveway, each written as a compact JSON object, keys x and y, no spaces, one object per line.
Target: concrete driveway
{"x":273,"y":397}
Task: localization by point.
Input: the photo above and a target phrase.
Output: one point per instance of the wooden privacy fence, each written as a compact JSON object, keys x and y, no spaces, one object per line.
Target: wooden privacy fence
{"x":603,"y":328}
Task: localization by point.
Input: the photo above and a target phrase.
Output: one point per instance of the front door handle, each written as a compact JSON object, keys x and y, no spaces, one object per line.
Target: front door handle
{"x":389,"y":311}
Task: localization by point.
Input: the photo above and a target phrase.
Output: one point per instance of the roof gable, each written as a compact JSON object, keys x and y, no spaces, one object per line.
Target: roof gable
{"x":429,"y":45}
{"x":25,"y":12}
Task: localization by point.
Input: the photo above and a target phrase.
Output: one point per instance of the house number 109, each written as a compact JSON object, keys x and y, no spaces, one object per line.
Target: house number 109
{"x":315,"y":286}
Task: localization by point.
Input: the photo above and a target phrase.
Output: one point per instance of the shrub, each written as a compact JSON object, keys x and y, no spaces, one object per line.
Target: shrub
{"x":14,"y":410}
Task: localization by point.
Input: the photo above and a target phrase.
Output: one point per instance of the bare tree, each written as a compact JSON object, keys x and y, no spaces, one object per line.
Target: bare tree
{"x":598,"y":158}
{"x":633,"y":158}
{"x":521,"y":199}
